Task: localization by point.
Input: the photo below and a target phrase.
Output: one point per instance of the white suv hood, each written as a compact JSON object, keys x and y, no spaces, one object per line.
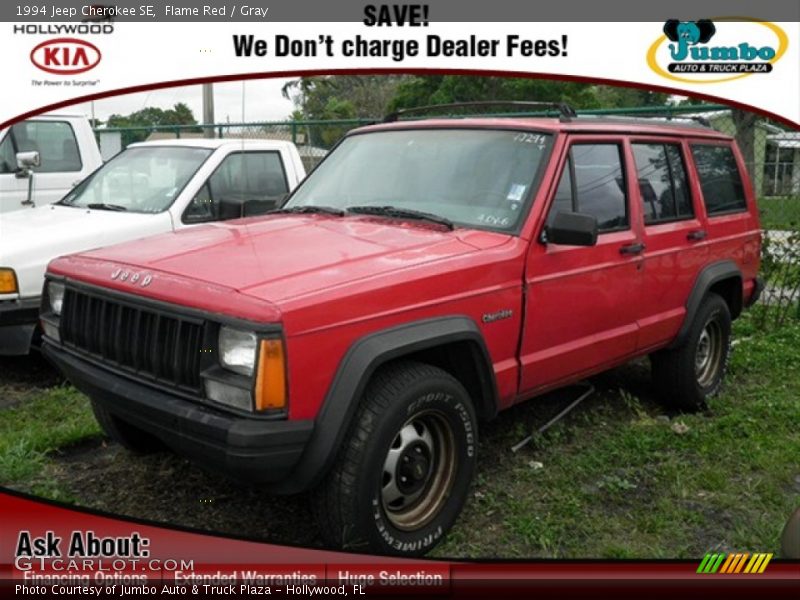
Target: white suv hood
{"x":30,"y":239}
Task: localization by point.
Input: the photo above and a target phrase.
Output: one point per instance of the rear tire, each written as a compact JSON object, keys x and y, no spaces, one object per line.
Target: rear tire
{"x":405,"y":467}
{"x":126,"y":435}
{"x":687,"y":376}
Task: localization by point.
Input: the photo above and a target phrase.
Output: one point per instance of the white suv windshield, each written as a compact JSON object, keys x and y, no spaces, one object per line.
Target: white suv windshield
{"x":144,"y":179}
{"x":474,"y":177}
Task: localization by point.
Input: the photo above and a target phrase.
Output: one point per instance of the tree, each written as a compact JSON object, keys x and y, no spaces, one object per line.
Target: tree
{"x":445,"y":89}
{"x":343,"y":96}
{"x":625,"y":97}
{"x":745,"y":123}
{"x":179,"y":114}
{"x":337,"y":97}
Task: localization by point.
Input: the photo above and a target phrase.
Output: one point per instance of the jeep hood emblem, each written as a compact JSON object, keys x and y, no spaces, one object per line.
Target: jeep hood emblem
{"x":132,"y":278}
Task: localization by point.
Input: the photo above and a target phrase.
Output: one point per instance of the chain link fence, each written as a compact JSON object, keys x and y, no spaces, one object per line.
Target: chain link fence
{"x":770,"y":149}
{"x":313,"y":138}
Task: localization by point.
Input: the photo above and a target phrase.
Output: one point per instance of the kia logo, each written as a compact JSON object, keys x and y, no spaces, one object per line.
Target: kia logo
{"x":65,"y":56}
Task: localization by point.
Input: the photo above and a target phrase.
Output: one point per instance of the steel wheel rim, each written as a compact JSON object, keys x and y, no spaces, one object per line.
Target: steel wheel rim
{"x":708,"y":354}
{"x":424,"y":443}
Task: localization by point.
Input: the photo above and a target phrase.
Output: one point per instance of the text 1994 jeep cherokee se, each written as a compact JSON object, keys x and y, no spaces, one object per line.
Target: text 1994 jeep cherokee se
{"x":426,"y":275}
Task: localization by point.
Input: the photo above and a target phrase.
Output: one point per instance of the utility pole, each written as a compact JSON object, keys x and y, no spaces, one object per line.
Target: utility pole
{"x":208,"y":109}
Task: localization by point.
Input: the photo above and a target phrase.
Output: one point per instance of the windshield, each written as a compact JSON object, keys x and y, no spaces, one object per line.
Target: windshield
{"x":144,"y":179}
{"x":473,"y":177}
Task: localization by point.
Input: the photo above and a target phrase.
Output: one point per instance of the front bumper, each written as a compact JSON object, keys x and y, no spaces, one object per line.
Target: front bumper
{"x":249,"y":449}
{"x":18,"y":325}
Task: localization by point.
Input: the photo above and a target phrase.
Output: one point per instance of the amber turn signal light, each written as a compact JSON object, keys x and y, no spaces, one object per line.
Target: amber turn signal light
{"x":271,"y":376}
{"x":8,"y":281}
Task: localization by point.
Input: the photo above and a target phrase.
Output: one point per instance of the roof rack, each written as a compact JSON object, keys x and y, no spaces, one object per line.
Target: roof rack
{"x":643,"y":119}
{"x":567,"y":113}
{"x":702,"y":120}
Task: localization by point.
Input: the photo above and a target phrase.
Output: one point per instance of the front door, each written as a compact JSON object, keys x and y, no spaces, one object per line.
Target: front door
{"x":581,"y":302}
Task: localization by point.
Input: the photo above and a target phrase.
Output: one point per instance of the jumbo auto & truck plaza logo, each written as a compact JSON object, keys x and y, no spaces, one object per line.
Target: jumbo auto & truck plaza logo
{"x":725,"y":49}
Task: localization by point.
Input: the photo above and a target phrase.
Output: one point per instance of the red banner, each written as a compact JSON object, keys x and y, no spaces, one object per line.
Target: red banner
{"x":48,"y":550}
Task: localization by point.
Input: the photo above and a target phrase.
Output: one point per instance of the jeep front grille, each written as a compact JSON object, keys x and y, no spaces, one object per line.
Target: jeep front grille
{"x":152,"y":344}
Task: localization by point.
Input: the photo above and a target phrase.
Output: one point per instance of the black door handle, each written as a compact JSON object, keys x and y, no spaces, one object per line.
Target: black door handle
{"x":696,"y":236}
{"x":632,"y":249}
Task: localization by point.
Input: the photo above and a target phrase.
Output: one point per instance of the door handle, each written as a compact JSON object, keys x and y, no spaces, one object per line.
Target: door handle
{"x":696,"y":236}
{"x":632,"y":249}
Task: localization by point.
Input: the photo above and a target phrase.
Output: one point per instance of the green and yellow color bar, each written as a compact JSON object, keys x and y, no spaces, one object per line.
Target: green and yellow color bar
{"x":735,"y":563}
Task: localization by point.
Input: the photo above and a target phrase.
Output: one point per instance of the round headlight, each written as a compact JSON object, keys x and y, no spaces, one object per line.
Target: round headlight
{"x":55,"y":293}
{"x":237,"y":350}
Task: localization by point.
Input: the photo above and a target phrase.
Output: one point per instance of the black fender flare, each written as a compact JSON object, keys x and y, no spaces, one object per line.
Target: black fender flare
{"x":361,"y":360}
{"x":710,"y":275}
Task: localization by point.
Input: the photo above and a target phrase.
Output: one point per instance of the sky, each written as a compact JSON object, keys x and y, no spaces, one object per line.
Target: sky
{"x":262,"y":101}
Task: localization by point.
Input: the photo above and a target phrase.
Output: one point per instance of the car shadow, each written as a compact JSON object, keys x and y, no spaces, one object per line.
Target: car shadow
{"x":24,"y":376}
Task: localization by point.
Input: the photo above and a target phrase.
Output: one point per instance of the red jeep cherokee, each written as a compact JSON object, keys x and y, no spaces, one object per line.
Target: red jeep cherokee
{"x":425,"y":276}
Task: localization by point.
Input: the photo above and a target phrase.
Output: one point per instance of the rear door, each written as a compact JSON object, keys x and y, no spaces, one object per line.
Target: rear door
{"x":580,"y":302}
{"x":675,"y":235}
{"x":729,"y":205}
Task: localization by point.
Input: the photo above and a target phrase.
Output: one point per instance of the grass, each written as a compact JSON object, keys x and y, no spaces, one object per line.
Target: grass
{"x":779,"y":213}
{"x":617,"y":478}
{"x":34,"y":429}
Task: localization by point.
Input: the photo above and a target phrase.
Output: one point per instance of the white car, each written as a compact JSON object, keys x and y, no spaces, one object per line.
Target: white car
{"x":149,"y":188}
{"x":64,"y":152}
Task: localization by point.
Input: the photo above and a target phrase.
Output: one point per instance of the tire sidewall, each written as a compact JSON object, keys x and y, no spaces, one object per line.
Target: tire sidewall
{"x":450,"y":400}
{"x":715,"y":310}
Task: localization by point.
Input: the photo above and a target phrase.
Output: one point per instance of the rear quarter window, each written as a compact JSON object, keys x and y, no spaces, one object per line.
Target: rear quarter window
{"x":720,"y":180}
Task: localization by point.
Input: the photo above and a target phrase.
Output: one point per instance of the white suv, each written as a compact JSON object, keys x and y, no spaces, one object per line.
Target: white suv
{"x":149,"y":188}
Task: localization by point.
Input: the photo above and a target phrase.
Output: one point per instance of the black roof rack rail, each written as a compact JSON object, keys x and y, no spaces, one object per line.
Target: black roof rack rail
{"x":567,"y":113}
{"x":644,"y":119}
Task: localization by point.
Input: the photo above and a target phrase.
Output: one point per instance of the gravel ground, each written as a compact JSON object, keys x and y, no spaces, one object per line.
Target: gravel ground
{"x":24,"y":376}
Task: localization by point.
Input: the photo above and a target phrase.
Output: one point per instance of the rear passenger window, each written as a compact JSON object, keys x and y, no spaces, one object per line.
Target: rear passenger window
{"x":593,"y":183}
{"x":662,"y":183}
{"x":720,"y":181}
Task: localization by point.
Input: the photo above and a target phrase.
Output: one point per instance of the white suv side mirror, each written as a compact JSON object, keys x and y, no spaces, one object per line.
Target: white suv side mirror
{"x":28,"y":160}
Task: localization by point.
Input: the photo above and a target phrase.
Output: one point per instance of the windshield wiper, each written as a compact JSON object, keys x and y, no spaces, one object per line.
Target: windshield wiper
{"x":400,"y":213}
{"x":104,"y":206}
{"x":307,"y":210}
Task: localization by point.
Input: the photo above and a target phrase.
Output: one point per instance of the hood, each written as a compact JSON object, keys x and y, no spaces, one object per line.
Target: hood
{"x":282,"y":257}
{"x":31,"y":238}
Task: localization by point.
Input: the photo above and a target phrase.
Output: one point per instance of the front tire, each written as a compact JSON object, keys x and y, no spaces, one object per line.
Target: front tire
{"x":687,"y":376}
{"x":404,"y":470}
{"x":126,"y":435}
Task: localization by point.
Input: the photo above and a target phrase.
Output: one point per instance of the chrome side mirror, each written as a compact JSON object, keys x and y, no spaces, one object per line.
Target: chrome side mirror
{"x":26,"y":161}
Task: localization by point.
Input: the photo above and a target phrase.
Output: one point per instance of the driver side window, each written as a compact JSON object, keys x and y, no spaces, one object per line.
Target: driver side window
{"x":201,"y":208}
{"x":8,"y":158}
{"x":245,"y":184}
{"x":593,"y":183}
